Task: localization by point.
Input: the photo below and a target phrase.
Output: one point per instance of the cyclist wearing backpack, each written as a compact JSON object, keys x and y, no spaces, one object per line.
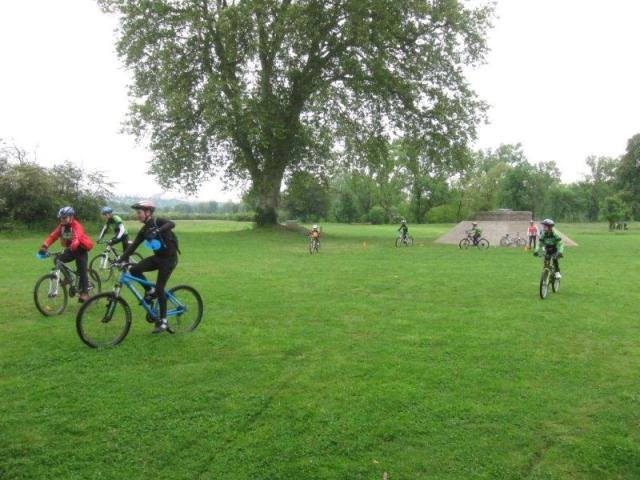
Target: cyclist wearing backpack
{"x":552,"y":244}
{"x":76,"y":245}
{"x":404,"y":229}
{"x":475,"y":232}
{"x":119,"y":230}
{"x":158,"y":235}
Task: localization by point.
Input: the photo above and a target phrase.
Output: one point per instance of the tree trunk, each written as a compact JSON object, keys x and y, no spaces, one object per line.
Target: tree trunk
{"x":267,"y":188}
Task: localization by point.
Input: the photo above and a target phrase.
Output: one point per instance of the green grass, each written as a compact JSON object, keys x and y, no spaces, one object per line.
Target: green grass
{"x":422,"y":362}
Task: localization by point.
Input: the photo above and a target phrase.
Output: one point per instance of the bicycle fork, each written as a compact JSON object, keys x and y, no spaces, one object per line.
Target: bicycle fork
{"x":111,"y":305}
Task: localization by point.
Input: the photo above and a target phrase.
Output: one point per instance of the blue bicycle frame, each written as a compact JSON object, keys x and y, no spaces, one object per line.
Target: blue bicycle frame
{"x":129,"y":281}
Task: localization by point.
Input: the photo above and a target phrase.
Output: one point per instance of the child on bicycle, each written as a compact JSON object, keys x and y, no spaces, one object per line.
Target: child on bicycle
{"x":552,"y":244}
{"x":475,"y":232}
{"x":158,"y":232}
{"x":76,"y":245}
{"x":120,"y":234}
{"x":315,"y":233}
{"x":404,"y":229}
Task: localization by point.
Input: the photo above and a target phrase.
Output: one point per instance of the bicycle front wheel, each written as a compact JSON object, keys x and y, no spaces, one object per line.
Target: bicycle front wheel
{"x":103,"y":321}
{"x":50,"y":296}
{"x":184,"y":309}
{"x":102,"y":266}
{"x":483,"y":243}
{"x":555,"y":284}
{"x":544,"y":283}
{"x":409,"y":241}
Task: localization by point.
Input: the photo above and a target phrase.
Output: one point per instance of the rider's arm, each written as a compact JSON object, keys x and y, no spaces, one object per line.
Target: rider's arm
{"x":119,"y":232}
{"x":77,"y":233}
{"x":103,"y":231}
{"x":165,"y":225}
{"x":132,"y":246}
{"x":560,"y":245}
{"x":53,"y":236}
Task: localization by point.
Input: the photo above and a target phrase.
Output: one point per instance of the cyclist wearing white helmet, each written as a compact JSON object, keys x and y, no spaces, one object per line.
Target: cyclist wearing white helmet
{"x":76,"y":245}
{"x":159,"y":234}
{"x":551,"y":243}
{"x":315,"y":232}
{"x":404,"y":229}
{"x":119,"y":231}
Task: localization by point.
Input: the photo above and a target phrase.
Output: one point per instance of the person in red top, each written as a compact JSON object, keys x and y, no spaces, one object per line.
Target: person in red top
{"x":76,"y":245}
{"x":533,"y":234}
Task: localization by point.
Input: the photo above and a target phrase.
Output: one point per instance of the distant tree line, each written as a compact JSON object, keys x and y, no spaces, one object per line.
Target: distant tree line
{"x":31,"y":194}
{"x":400,"y":185}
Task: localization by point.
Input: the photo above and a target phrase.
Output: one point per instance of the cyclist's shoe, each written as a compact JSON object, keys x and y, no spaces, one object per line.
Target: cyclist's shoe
{"x":83,"y":297}
{"x":558,"y":276}
{"x":161,"y":326}
{"x":150,"y":295}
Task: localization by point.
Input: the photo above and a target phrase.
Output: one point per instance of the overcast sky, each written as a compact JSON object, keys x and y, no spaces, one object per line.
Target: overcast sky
{"x":562,"y":78}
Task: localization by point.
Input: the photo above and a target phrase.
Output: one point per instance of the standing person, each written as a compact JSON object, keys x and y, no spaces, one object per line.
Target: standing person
{"x":533,"y":234}
{"x":76,"y":245}
{"x":159,"y":234}
{"x":552,"y":244}
{"x":404,"y":229}
{"x":120,"y":234}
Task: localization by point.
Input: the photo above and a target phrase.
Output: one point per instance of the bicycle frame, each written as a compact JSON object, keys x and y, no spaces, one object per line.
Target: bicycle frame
{"x":130,"y":281}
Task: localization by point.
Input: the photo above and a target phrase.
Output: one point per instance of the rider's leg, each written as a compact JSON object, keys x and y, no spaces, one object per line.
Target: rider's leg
{"x":165,"y":268}
{"x":145,"y":265}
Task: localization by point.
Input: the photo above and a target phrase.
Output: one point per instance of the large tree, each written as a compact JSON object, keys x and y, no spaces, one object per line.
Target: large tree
{"x":259,"y":88}
{"x":628,"y":175}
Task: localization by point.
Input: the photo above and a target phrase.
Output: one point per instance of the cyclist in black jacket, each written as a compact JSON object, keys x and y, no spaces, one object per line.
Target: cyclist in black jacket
{"x":157,"y":235}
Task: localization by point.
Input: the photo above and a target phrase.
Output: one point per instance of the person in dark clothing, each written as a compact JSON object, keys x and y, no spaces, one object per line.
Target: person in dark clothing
{"x":119,"y":230}
{"x":158,"y":235}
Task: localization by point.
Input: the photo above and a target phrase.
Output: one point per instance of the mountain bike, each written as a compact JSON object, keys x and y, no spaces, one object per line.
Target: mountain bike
{"x":105,"y":319}
{"x":548,"y":276}
{"x":405,"y":240}
{"x":314,"y":245}
{"x":52,"y":291}
{"x":469,"y":241}
{"x":509,"y":241}
{"x":103,"y":262}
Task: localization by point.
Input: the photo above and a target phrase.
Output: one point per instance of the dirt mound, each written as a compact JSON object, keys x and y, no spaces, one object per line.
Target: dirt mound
{"x":494,"y":231}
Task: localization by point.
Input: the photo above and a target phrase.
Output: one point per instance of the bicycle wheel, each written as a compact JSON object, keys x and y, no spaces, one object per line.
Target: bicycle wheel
{"x":464,"y":243}
{"x":311,"y":248}
{"x":102,"y":266}
{"x":398,"y":242}
{"x":95,"y":285}
{"x":103,"y":321}
{"x":544,"y":283}
{"x":483,"y":243}
{"x":50,"y":296}
{"x":409,"y":241}
{"x":184,"y":309}
{"x":555,"y":284}
{"x":522,"y":242}
{"x":504,"y":242}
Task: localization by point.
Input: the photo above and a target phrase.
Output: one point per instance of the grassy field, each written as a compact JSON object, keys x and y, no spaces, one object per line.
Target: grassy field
{"x":364,"y":360}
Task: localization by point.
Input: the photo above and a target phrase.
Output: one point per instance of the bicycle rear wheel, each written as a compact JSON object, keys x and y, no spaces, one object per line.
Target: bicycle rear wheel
{"x":103,"y":321}
{"x":50,"y":296}
{"x":184,"y":309}
{"x":544,"y":283}
{"x":464,"y":243}
{"x":102,"y":266}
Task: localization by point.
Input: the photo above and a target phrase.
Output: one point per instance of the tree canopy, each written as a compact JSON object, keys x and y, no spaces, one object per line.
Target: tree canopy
{"x":256,"y":89}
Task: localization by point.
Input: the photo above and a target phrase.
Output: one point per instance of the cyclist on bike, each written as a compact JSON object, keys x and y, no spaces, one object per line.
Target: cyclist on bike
{"x":315,"y":233}
{"x":76,"y":245}
{"x":475,"y":232}
{"x":552,"y":244}
{"x":119,"y":230}
{"x":159,"y":236}
{"x":404,"y":229}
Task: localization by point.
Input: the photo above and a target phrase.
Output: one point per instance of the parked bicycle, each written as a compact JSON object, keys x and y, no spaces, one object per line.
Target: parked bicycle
{"x":404,"y":240}
{"x":103,"y":262}
{"x":52,"y":291}
{"x":469,"y":241}
{"x":105,"y":319}
{"x":509,"y":241}
{"x":314,"y":245}
{"x":548,"y":276}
